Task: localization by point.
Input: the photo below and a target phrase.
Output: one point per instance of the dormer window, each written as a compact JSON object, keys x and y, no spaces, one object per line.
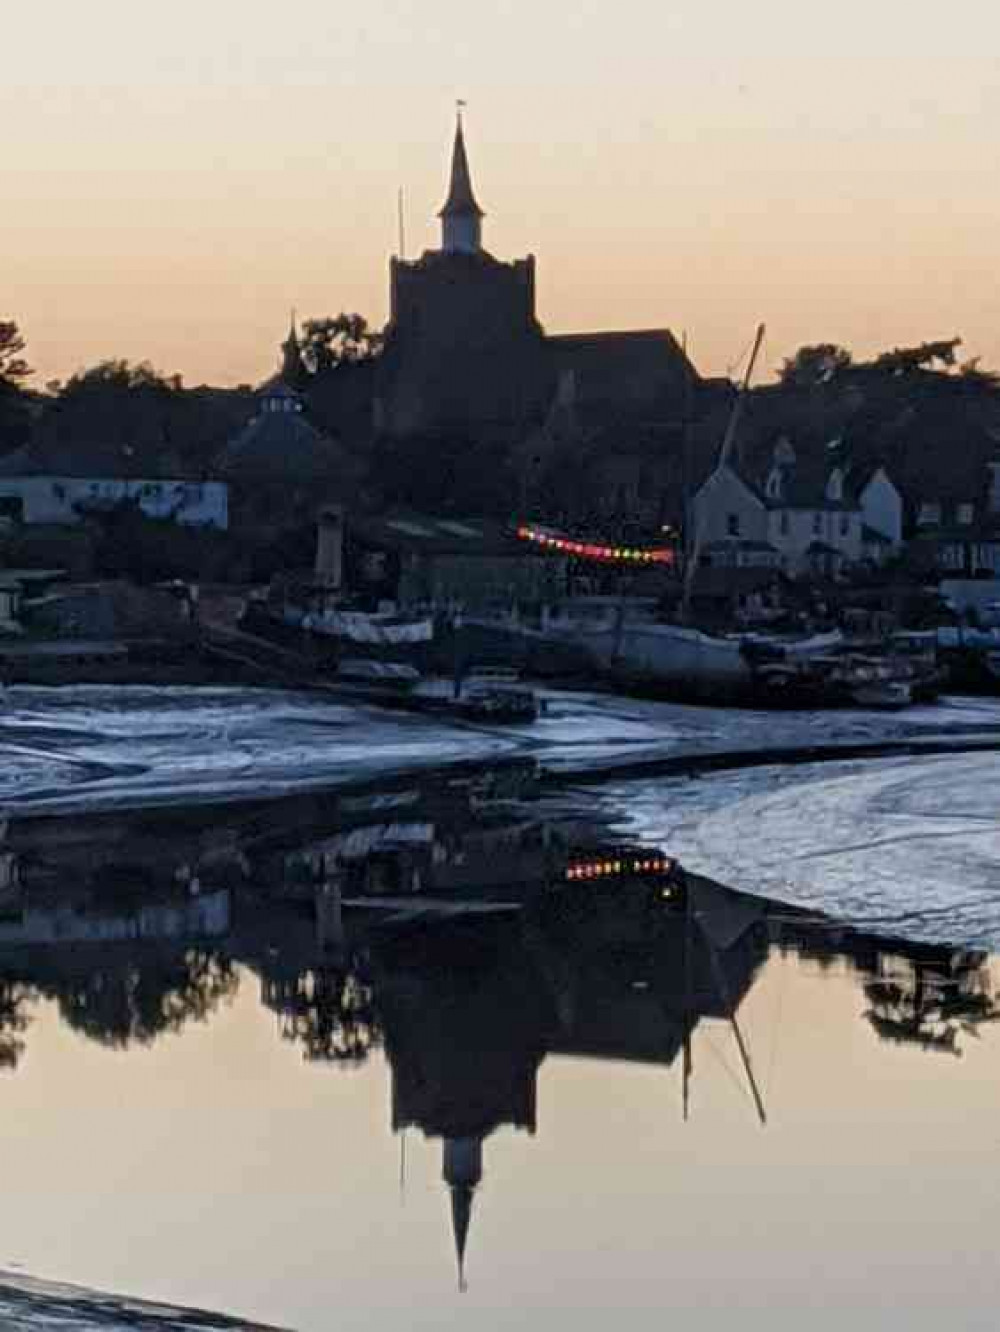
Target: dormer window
{"x":964,"y":515}
{"x":835,"y":486}
{"x":775,"y":483}
{"x":784,"y":454}
{"x":929,"y":515}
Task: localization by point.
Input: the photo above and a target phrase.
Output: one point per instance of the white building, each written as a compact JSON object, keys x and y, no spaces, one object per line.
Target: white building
{"x":807,"y":515}
{"x":63,"y":500}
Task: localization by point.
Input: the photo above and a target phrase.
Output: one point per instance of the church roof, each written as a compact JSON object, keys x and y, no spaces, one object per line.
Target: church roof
{"x":461,"y":201}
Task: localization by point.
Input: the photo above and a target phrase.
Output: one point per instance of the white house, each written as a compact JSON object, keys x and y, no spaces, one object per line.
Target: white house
{"x":64,"y":500}
{"x":806,"y":513}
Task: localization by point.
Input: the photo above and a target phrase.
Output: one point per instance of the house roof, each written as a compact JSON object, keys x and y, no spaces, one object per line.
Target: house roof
{"x":874,"y":537}
{"x":407,"y":531}
{"x":284,"y":445}
{"x":93,"y":462}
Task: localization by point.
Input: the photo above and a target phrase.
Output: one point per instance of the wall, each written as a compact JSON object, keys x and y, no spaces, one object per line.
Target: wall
{"x":479,"y":581}
{"x":802,"y":533}
{"x":882,"y":507}
{"x":463,"y":348}
{"x":724,"y":494}
{"x":54,"y":499}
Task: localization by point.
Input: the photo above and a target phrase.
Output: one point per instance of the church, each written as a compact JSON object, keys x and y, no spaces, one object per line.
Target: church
{"x":465,"y":353}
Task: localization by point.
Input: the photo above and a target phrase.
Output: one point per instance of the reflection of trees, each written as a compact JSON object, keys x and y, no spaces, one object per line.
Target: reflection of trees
{"x":932,"y":1003}
{"x":134,"y":1002}
{"x":15,"y":997}
{"x":330,"y":1012}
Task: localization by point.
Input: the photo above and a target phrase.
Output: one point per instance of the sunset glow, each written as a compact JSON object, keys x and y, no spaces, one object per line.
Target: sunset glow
{"x":173,"y":184}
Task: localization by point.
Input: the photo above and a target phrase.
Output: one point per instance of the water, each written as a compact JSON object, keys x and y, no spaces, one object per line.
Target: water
{"x":264,"y":1059}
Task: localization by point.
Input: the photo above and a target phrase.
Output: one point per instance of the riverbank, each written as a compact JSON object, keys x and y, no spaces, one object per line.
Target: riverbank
{"x":93,"y":748}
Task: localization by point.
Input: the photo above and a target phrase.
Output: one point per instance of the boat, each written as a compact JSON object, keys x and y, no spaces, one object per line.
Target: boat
{"x":971,"y":659}
{"x":303,"y":618}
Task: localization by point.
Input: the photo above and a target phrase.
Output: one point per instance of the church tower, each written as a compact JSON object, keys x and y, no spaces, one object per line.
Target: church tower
{"x":464,"y":352}
{"x":461,"y":217}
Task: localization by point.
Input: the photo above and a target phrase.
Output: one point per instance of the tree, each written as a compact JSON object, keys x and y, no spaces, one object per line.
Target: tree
{"x":14,"y":369}
{"x":125,"y":376}
{"x":15,"y":403}
{"x":126,"y":1002}
{"x":973,"y":373}
{"x":344,"y":339}
{"x":130,"y":413}
{"x":927,"y":356}
{"x":816,"y":364}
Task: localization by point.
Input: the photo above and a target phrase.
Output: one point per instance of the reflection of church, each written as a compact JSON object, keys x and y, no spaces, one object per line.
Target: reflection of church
{"x":611,"y":966}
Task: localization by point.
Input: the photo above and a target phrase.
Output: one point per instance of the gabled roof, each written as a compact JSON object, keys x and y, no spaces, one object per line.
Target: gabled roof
{"x":461,"y":201}
{"x":874,"y":537}
{"x":407,"y":531}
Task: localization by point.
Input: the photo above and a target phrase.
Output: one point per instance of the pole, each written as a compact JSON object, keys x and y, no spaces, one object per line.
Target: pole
{"x":724,"y":452}
{"x":402,"y":224}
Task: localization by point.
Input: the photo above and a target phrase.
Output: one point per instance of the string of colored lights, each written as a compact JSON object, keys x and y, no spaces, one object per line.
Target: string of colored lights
{"x":590,"y":550}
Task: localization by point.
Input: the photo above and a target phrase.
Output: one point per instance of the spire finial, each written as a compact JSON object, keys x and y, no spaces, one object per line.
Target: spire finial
{"x":461,"y":217}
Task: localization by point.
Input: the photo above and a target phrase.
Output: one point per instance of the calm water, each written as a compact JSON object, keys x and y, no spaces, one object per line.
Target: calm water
{"x":257,"y":1060}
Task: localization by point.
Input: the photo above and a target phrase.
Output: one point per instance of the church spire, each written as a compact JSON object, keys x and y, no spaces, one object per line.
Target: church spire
{"x":293,"y":368}
{"x":461,"y":217}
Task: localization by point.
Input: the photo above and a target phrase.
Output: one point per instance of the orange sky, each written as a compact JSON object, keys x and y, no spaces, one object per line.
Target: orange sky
{"x":176,"y":177}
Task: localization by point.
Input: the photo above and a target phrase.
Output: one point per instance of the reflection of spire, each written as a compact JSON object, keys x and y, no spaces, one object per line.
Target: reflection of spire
{"x":463,"y":1170}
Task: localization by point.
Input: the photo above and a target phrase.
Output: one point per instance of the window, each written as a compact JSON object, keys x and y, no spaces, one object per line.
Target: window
{"x":845,"y":524}
{"x":930,"y":514}
{"x":817,"y":524}
{"x":784,"y":523}
{"x":733,"y":524}
{"x":964,"y":515}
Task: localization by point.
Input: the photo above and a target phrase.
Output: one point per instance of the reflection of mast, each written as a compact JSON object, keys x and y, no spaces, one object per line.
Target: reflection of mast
{"x":462,"y":1172}
{"x":688,"y":1062}
{"x":720,"y":980}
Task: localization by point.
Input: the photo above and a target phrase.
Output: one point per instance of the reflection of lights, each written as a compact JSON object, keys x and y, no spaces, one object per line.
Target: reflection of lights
{"x":589,"y":550}
{"x":588,"y":870}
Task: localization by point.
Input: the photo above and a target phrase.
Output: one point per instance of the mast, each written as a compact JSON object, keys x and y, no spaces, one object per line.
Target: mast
{"x":725,"y":450}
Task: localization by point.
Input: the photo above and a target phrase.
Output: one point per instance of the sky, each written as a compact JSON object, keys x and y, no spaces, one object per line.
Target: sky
{"x":176,"y":177}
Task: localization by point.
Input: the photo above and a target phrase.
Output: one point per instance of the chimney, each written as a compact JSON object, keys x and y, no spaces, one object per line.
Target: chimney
{"x":330,"y":548}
